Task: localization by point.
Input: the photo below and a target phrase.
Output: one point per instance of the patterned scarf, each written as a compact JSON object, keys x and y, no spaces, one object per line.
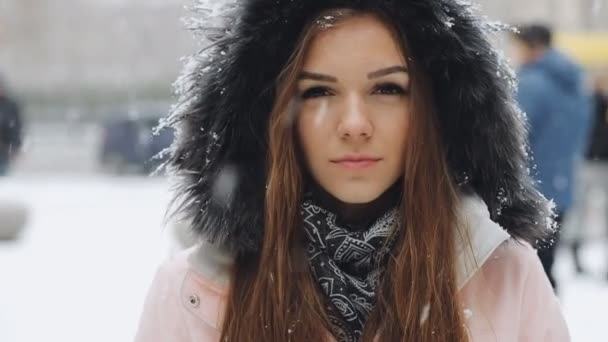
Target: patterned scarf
{"x":347,"y":265}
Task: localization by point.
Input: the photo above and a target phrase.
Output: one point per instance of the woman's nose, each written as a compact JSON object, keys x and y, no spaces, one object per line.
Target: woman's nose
{"x":355,"y":123}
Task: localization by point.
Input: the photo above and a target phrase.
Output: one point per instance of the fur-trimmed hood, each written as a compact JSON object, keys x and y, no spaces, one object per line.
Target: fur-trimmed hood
{"x":226,"y":94}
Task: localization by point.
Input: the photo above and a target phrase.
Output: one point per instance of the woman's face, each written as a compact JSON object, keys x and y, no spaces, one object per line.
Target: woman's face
{"x":354,"y":106}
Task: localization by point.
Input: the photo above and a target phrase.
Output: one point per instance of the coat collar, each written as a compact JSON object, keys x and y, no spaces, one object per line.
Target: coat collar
{"x":474,"y":245}
{"x":478,"y":239}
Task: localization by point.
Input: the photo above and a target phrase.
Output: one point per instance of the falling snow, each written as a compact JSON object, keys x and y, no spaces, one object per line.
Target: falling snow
{"x":224,"y":186}
{"x":468,"y":313}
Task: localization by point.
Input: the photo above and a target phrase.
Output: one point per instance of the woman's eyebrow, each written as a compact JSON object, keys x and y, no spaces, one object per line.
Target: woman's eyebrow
{"x":387,"y":71}
{"x":374,"y":74}
{"x":316,"y":77}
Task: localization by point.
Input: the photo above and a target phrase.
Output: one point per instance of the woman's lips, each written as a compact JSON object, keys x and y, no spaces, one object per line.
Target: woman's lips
{"x":356,"y":163}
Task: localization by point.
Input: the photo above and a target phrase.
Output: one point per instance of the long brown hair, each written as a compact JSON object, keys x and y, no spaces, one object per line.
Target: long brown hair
{"x":273,"y":296}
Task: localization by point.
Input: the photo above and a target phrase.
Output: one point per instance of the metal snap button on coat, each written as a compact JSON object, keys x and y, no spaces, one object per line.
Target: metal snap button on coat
{"x":194,"y":301}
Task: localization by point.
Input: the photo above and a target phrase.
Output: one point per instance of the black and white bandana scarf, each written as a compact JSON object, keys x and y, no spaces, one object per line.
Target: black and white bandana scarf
{"x":347,"y":265}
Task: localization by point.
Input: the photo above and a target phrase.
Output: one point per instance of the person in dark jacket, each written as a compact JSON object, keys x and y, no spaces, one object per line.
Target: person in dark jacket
{"x":598,"y":143}
{"x":552,"y":93}
{"x":593,"y":174}
{"x":10,"y":129}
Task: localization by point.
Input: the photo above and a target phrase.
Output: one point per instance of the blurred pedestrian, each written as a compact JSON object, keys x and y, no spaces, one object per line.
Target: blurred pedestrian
{"x":356,"y":169}
{"x":10,"y":129}
{"x":552,"y":92}
{"x":592,"y":189}
{"x":598,"y":146}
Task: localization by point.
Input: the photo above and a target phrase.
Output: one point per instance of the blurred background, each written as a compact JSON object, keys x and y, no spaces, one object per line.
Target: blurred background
{"x":83,"y":83}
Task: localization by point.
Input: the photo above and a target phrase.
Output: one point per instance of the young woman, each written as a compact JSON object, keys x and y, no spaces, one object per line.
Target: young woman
{"x":356,"y":171}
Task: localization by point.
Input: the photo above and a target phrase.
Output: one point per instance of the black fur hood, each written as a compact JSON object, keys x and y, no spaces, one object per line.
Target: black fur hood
{"x":226,"y":93}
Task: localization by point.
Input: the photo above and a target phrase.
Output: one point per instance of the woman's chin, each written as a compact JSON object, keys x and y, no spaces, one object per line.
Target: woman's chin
{"x":357,"y":194}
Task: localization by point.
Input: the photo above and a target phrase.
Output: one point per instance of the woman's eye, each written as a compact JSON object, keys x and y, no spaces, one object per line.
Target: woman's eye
{"x":389,"y":89}
{"x":315,"y":92}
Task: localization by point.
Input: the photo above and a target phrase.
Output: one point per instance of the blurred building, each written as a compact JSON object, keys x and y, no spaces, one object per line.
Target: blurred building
{"x":92,"y":52}
{"x":564,"y":15}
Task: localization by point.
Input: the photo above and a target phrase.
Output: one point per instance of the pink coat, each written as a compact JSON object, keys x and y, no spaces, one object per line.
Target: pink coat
{"x":504,"y":292}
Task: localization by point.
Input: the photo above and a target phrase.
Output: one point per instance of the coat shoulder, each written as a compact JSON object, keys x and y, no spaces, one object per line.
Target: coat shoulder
{"x":515,"y":257}
{"x":182,"y":304}
{"x":511,"y":297}
{"x":162,"y":316}
{"x":505,"y":269}
{"x":511,"y":266}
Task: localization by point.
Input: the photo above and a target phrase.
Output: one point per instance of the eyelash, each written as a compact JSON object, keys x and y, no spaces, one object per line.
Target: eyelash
{"x":315,"y":92}
{"x":390,"y":89}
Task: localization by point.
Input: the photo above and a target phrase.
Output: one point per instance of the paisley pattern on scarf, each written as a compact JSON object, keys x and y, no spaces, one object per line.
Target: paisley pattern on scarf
{"x":348,"y":265}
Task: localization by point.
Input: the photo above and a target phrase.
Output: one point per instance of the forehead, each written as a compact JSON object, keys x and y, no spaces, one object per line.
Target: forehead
{"x":363,"y":38}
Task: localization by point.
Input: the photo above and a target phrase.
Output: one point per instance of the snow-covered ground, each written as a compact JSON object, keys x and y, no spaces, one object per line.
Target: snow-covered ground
{"x":81,"y":269}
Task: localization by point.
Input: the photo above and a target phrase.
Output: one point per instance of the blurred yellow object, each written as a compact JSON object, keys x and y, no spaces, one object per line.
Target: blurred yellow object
{"x":589,"y":48}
